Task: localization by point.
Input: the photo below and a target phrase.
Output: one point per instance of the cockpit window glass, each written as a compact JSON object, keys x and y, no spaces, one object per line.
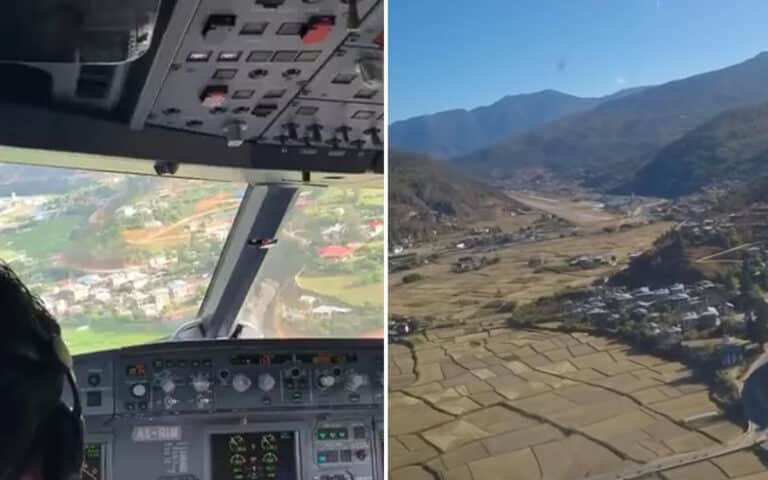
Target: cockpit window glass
{"x":324,"y":277}
{"x":118,"y":259}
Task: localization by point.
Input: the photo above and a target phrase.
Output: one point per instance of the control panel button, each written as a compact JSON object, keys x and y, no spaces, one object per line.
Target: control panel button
{"x":326,"y":381}
{"x":328,"y":456}
{"x":93,"y":399}
{"x":266,"y":382}
{"x":217,"y":27}
{"x":130,"y":406}
{"x":139,"y":390}
{"x":345,"y":456}
{"x":168,"y":385}
{"x":241,"y":383}
{"x":361,"y":454}
{"x":142,"y":405}
{"x":212,"y":97}
{"x":317,"y":29}
{"x":94,"y":379}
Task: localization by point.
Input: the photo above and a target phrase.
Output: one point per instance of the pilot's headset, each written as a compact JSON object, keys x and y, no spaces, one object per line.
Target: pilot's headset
{"x":58,"y":434}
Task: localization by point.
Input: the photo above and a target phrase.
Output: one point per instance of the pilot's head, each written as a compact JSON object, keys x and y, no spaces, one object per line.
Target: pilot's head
{"x":40,"y":436}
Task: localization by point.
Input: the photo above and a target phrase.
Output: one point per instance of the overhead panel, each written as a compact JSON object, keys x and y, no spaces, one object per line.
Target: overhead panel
{"x":296,"y":73}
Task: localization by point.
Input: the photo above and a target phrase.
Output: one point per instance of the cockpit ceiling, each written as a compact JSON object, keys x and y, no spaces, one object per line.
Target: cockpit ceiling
{"x":283,"y":85}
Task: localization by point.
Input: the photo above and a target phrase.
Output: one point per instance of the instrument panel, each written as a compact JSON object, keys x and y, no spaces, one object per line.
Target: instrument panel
{"x":234,"y":410}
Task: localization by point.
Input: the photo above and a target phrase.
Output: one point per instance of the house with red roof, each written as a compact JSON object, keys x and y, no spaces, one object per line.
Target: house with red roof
{"x":375,"y":228}
{"x":335,"y":252}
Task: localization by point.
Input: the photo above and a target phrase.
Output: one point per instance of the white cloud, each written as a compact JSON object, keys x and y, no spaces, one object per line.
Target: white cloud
{"x":621,"y":80}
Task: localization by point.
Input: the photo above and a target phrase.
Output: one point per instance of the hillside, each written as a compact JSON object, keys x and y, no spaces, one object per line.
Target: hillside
{"x":424,"y":195}
{"x":457,"y":132}
{"x":604,"y":145}
{"x":732,"y":146}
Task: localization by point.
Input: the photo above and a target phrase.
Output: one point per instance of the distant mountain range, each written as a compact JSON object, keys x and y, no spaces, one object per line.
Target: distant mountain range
{"x":454,"y":133}
{"x":603,"y":146}
{"x":422,"y":192}
{"x":732,"y":146}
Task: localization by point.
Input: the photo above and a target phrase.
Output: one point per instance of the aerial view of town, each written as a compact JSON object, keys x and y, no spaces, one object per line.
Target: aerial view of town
{"x":578,"y":282}
{"x":122,"y":259}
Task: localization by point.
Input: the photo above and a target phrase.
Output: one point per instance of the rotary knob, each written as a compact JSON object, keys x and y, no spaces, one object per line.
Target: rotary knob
{"x":326,"y":381}
{"x":266,"y":382}
{"x":139,"y":390}
{"x":168,"y":385}
{"x":241,"y":383}
{"x":355,"y":381}
{"x":200,"y":383}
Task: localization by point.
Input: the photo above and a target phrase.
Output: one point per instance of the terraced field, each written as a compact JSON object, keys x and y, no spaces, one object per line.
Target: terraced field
{"x":490,"y":402}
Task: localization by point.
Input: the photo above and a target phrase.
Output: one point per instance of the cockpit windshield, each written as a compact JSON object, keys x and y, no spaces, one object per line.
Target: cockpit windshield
{"x":324,"y":277}
{"x":125,"y":259}
{"x":118,"y":259}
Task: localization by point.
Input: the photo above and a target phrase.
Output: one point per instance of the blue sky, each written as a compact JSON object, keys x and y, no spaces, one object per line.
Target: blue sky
{"x":463,"y":54}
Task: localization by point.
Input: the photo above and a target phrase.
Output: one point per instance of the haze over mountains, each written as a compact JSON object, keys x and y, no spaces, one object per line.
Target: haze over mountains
{"x":457,"y":132}
{"x":666,"y":140}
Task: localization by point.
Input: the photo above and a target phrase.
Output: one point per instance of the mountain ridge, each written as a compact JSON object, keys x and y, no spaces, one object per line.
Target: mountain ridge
{"x":454,"y":132}
{"x":600,"y":147}
{"x":423,"y":193}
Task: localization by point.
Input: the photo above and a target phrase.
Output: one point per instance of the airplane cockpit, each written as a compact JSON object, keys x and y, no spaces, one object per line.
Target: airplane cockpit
{"x":194,"y":189}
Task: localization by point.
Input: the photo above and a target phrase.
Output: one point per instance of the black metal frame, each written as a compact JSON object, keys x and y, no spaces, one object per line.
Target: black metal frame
{"x":259,"y":218}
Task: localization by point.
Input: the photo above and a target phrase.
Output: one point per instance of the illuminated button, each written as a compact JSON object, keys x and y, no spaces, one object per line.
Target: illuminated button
{"x":345,"y":455}
{"x":296,"y":396}
{"x":207,"y":362}
{"x":317,"y":29}
{"x":354,"y":398}
{"x":322,"y":457}
{"x":332,"y":435}
{"x":94,"y":379}
{"x":214,"y":96}
{"x":342,"y":433}
{"x":322,"y":435}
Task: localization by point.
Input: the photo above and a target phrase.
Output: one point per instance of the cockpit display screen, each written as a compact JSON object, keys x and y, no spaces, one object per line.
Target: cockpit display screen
{"x":254,"y":456}
{"x":93,"y":462}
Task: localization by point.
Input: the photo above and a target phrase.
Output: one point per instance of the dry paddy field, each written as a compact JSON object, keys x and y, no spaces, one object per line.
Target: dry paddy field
{"x":491,"y":403}
{"x":442,"y":293}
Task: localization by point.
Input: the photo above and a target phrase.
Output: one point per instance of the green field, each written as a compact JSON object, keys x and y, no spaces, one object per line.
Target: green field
{"x":347,"y":288}
{"x":43,"y":238}
{"x":84,"y":341}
